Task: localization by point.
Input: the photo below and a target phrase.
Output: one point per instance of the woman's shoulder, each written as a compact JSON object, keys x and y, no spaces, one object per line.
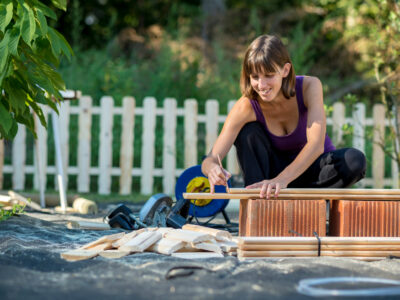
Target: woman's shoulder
{"x":310,"y":82}
{"x":243,"y":109}
{"x":312,"y":88}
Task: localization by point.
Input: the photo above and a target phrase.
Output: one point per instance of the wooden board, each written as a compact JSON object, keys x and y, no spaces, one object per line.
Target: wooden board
{"x":141,"y":242}
{"x":188,"y":236}
{"x":220,"y":235}
{"x":167,"y":246}
{"x":196,"y":255}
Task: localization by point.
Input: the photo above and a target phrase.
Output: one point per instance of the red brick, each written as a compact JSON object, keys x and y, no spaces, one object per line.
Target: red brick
{"x":364,"y":218}
{"x":278,"y":217}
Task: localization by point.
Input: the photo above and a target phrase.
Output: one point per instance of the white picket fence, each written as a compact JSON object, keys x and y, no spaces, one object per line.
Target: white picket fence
{"x":147,"y":171}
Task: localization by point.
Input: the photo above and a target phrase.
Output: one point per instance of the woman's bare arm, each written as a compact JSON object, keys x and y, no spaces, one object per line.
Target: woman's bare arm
{"x":240,"y":114}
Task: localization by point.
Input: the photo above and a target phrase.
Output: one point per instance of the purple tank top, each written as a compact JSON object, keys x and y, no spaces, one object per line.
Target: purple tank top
{"x":293,"y":142}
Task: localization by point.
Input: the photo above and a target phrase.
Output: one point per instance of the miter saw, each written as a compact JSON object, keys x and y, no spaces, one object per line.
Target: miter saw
{"x":160,"y":211}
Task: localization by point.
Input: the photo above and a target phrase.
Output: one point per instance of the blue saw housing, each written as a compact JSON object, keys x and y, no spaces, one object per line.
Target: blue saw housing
{"x":212,"y":208}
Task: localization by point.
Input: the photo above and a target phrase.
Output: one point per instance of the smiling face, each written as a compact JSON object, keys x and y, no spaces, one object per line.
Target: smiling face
{"x":267,"y":71}
{"x":268,"y":84}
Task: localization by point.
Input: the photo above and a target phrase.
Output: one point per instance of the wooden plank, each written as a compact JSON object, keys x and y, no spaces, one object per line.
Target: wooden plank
{"x":23,"y":201}
{"x":231,"y":161}
{"x":243,"y":253}
{"x":105,"y":151}
{"x":348,"y":247}
{"x":169,"y":141}
{"x":127,"y":139}
{"x":84,"y":141}
{"x":1,"y":163}
{"x":63,"y":126}
{"x":148,"y":138}
{"x":190,"y":135}
{"x":220,"y":235}
{"x":188,"y":236}
{"x":324,"y":240}
{"x":196,"y":255}
{"x":112,"y":254}
{"x":208,"y":246}
{"x":129,"y":236}
{"x":141,"y":242}
{"x":167,"y":246}
{"x":81,"y":254}
{"x":322,"y":191}
{"x":217,"y":196}
{"x":111,"y":238}
{"x":228,"y":246}
{"x":338,"y":120}
{"x":19,"y":159}
{"x":212,"y":112}
{"x":378,"y":156}
{"x":88,"y":225}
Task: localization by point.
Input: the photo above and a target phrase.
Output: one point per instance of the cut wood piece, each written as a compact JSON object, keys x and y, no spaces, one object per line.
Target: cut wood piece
{"x":271,"y":247}
{"x":188,"y":248}
{"x":208,"y":247}
{"x":113,"y":253}
{"x":142,"y":241}
{"x":167,"y":246}
{"x":164,"y":230}
{"x":88,"y":225}
{"x":188,"y":236}
{"x":76,"y":255}
{"x":254,"y":247}
{"x":127,"y":237}
{"x":104,"y":239}
{"x":23,"y":201}
{"x":81,"y":254}
{"x":220,"y":235}
{"x":5,"y":200}
{"x":228,"y":246}
{"x":196,"y":255}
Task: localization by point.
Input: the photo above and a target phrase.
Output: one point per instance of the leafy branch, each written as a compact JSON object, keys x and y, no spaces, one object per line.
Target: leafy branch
{"x":30,"y":53}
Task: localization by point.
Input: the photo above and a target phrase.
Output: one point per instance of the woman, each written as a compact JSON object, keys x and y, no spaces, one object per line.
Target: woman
{"x":279,"y":129}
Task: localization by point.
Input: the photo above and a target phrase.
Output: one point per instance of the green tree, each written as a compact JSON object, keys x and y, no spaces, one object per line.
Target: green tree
{"x":30,"y":52}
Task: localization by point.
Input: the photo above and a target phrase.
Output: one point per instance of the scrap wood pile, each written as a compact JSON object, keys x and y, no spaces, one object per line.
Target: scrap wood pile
{"x":192,"y":241}
{"x":363,"y":248}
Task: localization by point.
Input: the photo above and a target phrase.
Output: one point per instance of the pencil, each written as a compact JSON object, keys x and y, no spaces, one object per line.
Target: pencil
{"x":226,"y":181}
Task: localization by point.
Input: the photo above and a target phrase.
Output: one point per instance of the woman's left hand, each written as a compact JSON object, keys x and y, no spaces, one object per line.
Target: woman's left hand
{"x":267,"y":186}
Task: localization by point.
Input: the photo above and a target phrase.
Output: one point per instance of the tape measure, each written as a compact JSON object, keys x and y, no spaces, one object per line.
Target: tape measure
{"x":192,"y":180}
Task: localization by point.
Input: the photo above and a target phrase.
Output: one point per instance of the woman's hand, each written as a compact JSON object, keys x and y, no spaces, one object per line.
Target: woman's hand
{"x":268,"y":185}
{"x":218,"y":176}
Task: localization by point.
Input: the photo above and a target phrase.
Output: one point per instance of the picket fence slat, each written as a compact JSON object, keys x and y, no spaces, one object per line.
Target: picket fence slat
{"x":169,"y":113}
{"x":63,"y":125}
{"x":190,"y":133}
{"x":169,"y":141}
{"x":40,"y":152}
{"x":84,"y":140}
{"x":148,"y":138}
{"x":126,"y":152}
{"x":231,"y":161}
{"x":105,"y":151}
{"x":338,"y":120}
{"x":212,"y":112}
{"x":378,"y":156}
{"x":19,"y":159}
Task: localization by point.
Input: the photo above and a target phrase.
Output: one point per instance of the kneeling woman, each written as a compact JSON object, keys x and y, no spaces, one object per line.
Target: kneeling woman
{"x":279,"y":129}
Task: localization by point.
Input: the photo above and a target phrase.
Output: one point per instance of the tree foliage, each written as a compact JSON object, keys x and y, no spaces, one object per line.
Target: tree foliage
{"x":30,"y":51}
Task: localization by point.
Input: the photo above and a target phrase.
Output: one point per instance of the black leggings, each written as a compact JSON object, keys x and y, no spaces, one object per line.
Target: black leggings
{"x":259,"y":160}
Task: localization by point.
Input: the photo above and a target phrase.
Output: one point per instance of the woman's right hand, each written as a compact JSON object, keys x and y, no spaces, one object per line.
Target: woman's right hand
{"x":218,"y":176}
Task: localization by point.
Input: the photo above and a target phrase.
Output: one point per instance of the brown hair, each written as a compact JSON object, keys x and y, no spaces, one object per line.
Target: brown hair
{"x":264,"y":55}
